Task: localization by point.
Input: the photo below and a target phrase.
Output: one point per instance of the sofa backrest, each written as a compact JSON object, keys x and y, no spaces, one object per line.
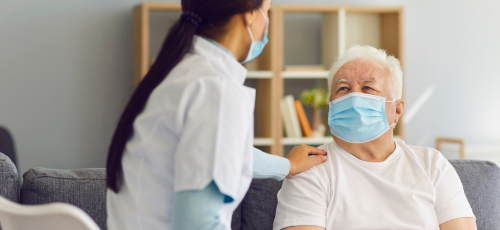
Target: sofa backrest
{"x":481,"y":181}
{"x":259,"y":206}
{"x":9,"y":179}
{"x":84,"y":188}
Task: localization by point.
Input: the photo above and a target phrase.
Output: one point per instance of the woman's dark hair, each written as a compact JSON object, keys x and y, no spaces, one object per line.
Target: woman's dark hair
{"x":202,"y":17}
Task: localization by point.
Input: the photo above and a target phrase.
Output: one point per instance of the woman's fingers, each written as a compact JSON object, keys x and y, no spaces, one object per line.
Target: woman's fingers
{"x":301,"y":161}
{"x":313,"y":150}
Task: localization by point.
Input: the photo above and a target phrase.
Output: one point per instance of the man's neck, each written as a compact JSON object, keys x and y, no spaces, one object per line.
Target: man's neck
{"x":377,"y":150}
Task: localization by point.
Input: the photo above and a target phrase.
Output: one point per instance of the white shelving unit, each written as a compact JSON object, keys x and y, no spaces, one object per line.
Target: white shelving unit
{"x":304,"y":74}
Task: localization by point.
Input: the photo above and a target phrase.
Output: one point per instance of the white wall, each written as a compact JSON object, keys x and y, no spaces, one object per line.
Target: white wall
{"x":65,"y":74}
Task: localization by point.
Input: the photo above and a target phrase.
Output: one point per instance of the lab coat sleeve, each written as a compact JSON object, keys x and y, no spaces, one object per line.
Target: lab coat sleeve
{"x":215,"y":122}
{"x":198,"y":209}
{"x":266,"y":165}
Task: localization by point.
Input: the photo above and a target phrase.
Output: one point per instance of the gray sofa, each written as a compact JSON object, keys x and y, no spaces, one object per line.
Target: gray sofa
{"x":86,"y":188}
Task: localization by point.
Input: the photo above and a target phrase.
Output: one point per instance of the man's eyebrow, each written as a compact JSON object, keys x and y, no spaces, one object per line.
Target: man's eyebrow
{"x":341,"y":81}
{"x":369,"y":80}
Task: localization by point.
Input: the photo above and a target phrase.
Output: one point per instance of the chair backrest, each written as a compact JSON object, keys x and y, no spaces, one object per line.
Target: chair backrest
{"x":7,"y":145}
{"x":55,"y":216}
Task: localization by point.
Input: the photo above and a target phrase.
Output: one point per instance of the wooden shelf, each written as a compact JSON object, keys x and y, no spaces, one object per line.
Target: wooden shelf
{"x":304,"y":74}
{"x":259,"y":141}
{"x":259,"y":74}
{"x":306,"y":140}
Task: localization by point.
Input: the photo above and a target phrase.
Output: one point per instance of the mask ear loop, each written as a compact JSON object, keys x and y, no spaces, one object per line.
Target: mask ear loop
{"x":248,"y":27}
{"x":393,"y":124}
{"x":250,"y":32}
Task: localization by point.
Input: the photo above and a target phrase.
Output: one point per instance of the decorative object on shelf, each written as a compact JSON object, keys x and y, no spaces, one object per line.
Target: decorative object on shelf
{"x":290,"y":118}
{"x":304,"y":123}
{"x":316,"y":98}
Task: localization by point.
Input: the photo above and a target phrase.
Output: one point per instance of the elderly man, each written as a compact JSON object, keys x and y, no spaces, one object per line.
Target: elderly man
{"x":370,"y":180}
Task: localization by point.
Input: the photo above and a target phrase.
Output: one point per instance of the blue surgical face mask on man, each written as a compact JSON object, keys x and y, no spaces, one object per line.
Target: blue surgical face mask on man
{"x":358,"y":117}
{"x":257,"y":46}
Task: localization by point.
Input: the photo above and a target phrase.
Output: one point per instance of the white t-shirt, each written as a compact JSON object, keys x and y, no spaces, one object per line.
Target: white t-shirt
{"x":414,"y":188}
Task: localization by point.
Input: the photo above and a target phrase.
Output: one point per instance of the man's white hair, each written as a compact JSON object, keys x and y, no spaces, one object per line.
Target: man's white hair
{"x":379,"y":55}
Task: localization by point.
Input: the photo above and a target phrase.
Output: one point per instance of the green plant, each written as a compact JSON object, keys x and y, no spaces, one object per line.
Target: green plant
{"x":316,"y":98}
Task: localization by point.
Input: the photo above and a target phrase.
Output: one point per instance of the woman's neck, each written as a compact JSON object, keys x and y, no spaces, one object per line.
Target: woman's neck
{"x":236,"y":40}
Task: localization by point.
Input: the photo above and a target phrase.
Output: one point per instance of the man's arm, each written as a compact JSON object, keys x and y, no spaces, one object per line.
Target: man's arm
{"x":304,"y":227}
{"x":302,"y":201}
{"x":464,"y":223}
{"x":452,"y":208}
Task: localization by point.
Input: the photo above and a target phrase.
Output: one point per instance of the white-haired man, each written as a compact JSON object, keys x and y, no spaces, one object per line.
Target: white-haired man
{"x":370,"y":180}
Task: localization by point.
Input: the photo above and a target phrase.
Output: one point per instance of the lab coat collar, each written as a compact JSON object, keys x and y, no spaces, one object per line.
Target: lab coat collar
{"x":220,"y":58}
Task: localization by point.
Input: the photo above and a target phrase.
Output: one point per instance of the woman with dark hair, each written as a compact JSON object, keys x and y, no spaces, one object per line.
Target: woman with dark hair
{"x":181,"y":156}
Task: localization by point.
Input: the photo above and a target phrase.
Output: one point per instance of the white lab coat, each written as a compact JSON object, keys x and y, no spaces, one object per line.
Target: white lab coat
{"x":196,"y":127}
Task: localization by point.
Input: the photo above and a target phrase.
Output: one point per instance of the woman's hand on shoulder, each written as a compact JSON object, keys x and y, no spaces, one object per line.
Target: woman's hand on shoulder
{"x":301,"y":161}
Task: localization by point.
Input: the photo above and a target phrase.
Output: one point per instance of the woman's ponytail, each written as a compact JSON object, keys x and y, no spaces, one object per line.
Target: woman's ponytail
{"x":198,"y":17}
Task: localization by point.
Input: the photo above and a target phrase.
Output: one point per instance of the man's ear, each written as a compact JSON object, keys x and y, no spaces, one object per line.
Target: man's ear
{"x":400,"y":106}
{"x":249,"y":17}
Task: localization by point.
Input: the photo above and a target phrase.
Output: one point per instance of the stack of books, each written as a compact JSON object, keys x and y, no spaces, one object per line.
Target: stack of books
{"x":294,"y":118}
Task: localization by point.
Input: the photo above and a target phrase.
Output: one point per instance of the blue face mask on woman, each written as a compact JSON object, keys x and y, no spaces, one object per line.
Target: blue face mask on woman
{"x":358,"y":117}
{"x":257,"y":46}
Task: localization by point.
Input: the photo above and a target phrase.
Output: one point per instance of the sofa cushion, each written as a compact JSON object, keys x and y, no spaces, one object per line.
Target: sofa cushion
{"x":259,"y":205}
{"x":84,"y":188}
{"x":481,"y":181}
{"x":236,"y":221}
{"x":9,"y":179}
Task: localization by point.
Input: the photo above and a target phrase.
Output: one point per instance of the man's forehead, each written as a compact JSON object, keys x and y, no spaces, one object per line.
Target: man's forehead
{"x":360,"y":69}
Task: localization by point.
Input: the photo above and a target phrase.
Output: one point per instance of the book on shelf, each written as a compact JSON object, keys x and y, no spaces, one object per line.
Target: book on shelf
{"x":304,"y":123}
{"x":287,"y":122}
{"x":290,"y":118}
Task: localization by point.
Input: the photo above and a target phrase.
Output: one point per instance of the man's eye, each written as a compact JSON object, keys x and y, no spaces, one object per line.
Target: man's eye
{"x":343,"y":88}
{"x":368,"y":88}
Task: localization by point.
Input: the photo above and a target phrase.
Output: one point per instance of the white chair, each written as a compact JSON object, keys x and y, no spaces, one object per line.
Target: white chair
{"x":55,"y":216}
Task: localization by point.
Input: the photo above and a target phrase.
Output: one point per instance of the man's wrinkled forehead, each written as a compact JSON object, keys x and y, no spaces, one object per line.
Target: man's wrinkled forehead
{"x":343,"y":80}
{"x":359,"y":69}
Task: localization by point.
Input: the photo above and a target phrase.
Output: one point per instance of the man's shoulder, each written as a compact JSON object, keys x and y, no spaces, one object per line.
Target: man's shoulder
{"x":318,"y":172}
{"x":422,"y":151}
{"x":430,"y":158}
{"x":321,"y":171}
